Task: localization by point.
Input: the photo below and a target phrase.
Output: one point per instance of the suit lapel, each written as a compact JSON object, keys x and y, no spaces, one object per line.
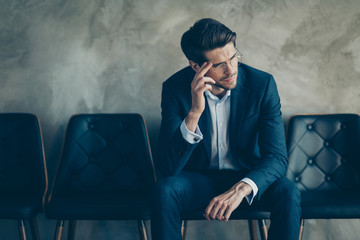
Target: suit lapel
{"x":205,"y":125}
{"x":239,"y":100}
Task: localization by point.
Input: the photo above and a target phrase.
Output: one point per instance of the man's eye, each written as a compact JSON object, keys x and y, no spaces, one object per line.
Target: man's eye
{"x":220,"y":65}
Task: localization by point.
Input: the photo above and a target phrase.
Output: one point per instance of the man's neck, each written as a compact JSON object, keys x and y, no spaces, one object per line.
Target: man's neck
{"x":218,"y":91}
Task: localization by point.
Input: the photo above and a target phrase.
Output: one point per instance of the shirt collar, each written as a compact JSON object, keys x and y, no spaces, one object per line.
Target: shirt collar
{"x":212,"y":96}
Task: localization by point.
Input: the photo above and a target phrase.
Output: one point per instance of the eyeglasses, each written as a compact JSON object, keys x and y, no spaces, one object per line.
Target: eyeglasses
{"x":234,"y":61}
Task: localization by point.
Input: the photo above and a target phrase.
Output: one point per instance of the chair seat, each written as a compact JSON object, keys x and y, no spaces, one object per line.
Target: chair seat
{"x":243,"y":212}
{"x":99,"y":207}
{"x":330,"y":205}
{"x":19,"y":208}
{"x":315,"y":205}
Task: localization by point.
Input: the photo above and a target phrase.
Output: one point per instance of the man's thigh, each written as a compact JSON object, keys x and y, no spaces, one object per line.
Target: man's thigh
{"x":190,"y":190}
{"x":282,"y":191}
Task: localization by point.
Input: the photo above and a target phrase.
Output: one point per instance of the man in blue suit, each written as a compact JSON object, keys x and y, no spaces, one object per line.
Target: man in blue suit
{"x":221,"y":139}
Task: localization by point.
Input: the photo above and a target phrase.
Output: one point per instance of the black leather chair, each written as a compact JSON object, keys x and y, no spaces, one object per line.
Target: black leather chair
{"x":105,"y":172}
{"x":251,"y":215}
{"x":324,"y":162}
{"x":23,"y":177}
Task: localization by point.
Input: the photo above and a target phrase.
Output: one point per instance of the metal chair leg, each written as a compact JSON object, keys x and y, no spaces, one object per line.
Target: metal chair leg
{"x":34,"y":229}
{"x":302,"y":225}
{"x":22,"y":230}
{"x":72,"y":229}
{"x":252,"y":229}
{"x":263,"y":229}
{"x":183,"y":229}
{"x":142,"y":230}
{"x":59,"y":229}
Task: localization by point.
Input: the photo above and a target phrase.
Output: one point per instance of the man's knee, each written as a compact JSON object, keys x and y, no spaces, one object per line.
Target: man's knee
{"x":167,"y":188}
{"x":287,"y":191}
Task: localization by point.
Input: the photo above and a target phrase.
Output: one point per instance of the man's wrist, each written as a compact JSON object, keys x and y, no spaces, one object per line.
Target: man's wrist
{"x":192,"y":120}
{"x":191,"y":137}
{"x":254,"y":187}
{"x":243,"y":188}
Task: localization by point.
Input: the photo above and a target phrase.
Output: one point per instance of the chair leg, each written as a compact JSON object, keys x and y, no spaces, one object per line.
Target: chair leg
{"x":34,"y":229}
{"x":71,"y":229}
{"x":263,"y":229}
{"x":142,"y":230}
{"x":59,"y":229}
{"x":252,"y":229}
{"x":183,"y":229}
{"x":22,"y":230}
{"x":302,"y":225}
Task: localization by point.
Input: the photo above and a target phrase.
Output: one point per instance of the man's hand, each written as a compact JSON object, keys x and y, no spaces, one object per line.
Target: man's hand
{"x":198,"y":87}
{"x":222,"y":206}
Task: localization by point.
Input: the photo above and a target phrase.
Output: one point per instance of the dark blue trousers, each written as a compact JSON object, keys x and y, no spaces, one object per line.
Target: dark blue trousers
{"x":193,"y":191}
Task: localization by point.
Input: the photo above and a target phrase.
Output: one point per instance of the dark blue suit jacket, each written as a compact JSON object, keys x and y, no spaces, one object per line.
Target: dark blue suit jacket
{"x":257,"y":138}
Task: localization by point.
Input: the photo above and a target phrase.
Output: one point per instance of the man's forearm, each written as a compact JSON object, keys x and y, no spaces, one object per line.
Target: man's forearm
{"x":192,"y":120}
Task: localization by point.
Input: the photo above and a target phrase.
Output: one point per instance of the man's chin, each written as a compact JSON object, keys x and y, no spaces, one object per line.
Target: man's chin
{"x":229,"y":83}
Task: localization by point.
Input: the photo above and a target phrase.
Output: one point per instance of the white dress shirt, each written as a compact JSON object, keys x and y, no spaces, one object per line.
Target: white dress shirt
{"x":221,"y":157}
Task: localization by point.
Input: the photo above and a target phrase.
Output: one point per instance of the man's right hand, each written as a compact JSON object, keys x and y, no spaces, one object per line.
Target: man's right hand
{"x":198,"y":87}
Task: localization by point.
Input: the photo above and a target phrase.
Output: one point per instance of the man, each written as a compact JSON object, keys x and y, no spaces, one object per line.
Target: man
{"x":221,"y":139}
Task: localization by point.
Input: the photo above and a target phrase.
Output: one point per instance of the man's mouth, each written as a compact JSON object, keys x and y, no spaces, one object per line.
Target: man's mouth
{"x":229,"y":78}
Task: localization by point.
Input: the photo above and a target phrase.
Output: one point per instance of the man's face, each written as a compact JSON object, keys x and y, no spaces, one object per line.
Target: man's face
{"x":225,"y":67}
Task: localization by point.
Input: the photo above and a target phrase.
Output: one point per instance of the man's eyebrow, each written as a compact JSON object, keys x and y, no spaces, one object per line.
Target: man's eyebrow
{"x":217,"y":64}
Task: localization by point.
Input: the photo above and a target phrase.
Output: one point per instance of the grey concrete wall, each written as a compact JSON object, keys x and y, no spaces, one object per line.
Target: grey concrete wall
{"x":61,"y":57}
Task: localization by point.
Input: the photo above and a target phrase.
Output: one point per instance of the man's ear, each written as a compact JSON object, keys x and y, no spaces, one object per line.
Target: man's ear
{"x":194,"y":65}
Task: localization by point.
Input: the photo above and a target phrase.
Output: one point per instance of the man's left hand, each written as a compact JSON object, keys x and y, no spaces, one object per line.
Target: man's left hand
{"x":221,"y":207}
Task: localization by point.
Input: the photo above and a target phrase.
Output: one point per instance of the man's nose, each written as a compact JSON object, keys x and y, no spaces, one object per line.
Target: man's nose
{"x":229,"y":69}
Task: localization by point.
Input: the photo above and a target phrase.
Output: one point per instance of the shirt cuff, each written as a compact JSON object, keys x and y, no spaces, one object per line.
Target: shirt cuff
{"x":250,"y":198}
{"x":189,"y":136}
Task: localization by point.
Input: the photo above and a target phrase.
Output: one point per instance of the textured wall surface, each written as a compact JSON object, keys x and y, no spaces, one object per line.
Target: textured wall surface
{"x":61,"y":57}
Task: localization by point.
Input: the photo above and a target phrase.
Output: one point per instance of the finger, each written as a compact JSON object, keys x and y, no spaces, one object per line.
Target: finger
{"x":201,"y":82}
{"x":208,"y":80}
{"x":200,"y":89}
{"x":196,"y":84}
{"x":207,"y":212}
{"x":220,"y":214}
{"x":204,"y":69}
{"x":209,"y":209}
{"x":205,"y":87}
{"x":206,"y":216}
{"x":228,"y":213}
{"x":199,"y":73}
{"x":215,"y":210}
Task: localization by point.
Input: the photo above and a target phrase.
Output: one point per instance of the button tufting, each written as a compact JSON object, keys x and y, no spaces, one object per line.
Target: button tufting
{"x":309,"y":127}
{"x":310,"y":161}
{"x":328,"y":178}
{"x":326,"y":144}
{"x":343,"y":126}
{"x":297,"y":179}
{"x":91,"y":126}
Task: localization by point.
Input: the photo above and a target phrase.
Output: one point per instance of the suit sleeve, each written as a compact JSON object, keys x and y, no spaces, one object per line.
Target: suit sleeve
{"x":174,"y":150}
{"x":272,"y":163}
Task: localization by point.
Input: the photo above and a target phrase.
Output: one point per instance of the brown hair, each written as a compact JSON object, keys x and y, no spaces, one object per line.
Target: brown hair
{"x":206,"y":34}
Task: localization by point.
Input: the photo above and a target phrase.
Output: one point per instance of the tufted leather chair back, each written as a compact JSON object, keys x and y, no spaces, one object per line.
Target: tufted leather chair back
{"x":105,"y":154}
{"x":22,"y":163}
{"x":324,"y":151}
